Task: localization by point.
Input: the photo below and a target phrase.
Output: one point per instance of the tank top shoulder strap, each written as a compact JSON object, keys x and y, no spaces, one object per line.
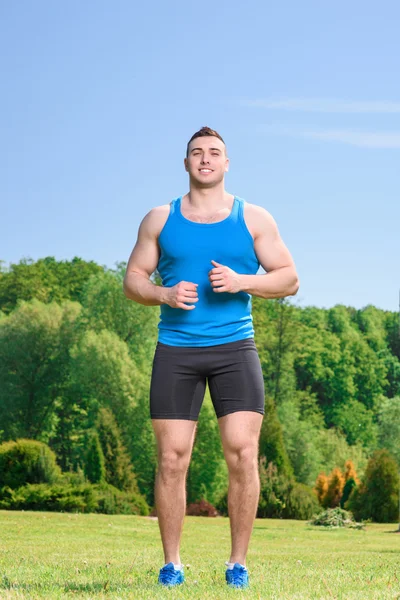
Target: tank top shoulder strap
{"x":239,"y":209}
{"x":174,"y":204}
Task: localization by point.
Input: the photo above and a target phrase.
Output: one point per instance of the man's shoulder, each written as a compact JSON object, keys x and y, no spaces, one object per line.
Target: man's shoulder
{"x":156,"y":218}
{"x":257,"y":217}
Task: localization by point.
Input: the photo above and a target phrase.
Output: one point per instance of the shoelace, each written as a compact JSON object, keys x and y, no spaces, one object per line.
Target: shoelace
{"x":168,"y":575}
{"x":238,"y":575}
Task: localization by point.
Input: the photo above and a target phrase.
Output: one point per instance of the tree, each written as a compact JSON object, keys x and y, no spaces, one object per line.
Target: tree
{"x":321,"y":487}
{"x":207,"y":477}
{"x":271,"y":444}
{"x":356,"y":422}
{"x":94,"y":465}
{"x":34,"y":366}
{"x":377,"y":496}
{"x":389,"y":426}
{"x":335,"y":489}
{"x":46,"y":280}
{"x":101,"y":368}
{"x":118,"y":467}
{"x":106,"y":307}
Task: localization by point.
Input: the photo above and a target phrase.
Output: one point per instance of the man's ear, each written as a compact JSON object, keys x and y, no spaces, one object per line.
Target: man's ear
{"x":186,"y":164}
{"x":227,"y":165}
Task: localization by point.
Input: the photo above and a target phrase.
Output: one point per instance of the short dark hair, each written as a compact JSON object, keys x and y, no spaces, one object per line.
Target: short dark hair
{"x":203,"y":132}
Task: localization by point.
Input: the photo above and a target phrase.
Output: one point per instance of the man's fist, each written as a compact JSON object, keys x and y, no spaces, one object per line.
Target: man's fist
{"x":224,"y":279}
{"x":182,"y":294}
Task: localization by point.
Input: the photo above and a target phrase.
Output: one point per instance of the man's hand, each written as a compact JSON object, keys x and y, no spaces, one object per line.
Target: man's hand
{"x":224,"y":279}
{"x":181,"y":294}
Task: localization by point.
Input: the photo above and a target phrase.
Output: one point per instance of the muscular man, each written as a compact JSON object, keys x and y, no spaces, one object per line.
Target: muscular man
{"x":207,"y":246}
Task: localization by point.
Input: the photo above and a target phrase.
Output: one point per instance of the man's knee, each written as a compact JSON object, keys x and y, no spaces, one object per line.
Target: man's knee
{"x":173,"y":463}
{"x":242,"y":459}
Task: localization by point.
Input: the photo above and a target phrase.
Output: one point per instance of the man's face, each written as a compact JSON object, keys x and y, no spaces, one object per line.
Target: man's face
{"x":206,"y":162}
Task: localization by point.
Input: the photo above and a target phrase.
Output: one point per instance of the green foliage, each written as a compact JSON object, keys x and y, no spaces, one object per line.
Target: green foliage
{"x":27,"y":461}
{"x":336,"y":451}
{"x":281,"y":497}
{"x":377,"y":497}
{"x":105,"y":307}
{"x":271,"y":445}
{"x":334,"y":518}
{"x":102,"y":369}
{"x":299,"y":417}
{"x":65,"y":497}
{"x":34,"y":357}
{"x":62,"y":365}
{"x":46,"y":280}
{"x":118,"y":467}
{"x":357,"y":423}
{"x":142,"y":449}
{"x":112,"y":501}
{"x":207,"y":477}
{"x":389,"y":426}
{"x":348,"y":488}
{"x":94,"y":468}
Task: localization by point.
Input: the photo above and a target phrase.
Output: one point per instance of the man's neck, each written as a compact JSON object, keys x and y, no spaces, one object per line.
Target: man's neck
{"x":208,"y":199}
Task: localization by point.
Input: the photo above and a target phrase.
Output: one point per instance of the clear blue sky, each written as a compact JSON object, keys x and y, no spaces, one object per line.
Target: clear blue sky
{"x":98,"y":100}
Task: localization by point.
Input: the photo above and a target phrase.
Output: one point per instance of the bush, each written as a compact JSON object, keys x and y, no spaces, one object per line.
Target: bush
{"x":27,"y":461}
{"x":282,"y":497}
{"x":201,"y":509}
{"x":301,"y":502}
{"x":85,"y":498}
{"x":377,"y":497}
{"x":118,"y":467}
{"x":348,"y":488}
{"x":336,"y":517}
{"x":112,"y":501}
{"x":41,"y":496}
{"x":335,"y":489}
{"x":95,"y":469}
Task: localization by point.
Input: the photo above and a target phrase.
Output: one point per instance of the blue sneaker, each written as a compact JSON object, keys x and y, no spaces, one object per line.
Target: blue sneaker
{"x":170,"y":576}
{"x":237,"y":577}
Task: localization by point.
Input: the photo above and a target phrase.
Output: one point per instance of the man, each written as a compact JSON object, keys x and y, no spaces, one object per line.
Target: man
{"x":207,"y":246}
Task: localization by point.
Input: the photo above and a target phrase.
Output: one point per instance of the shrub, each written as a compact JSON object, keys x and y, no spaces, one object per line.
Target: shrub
{"x":348,"y":488}
{"x":49,"y":497}
{"x":335,"y":489}
{"x":350,"y":472}
{"x":283,"y":497}
{"x":376,"y":498}
{"x":112,"y":501}
{"x":118,"y":467}
{"x":201,"y":509}
{"x":73,"y":498}
{"x":321,"y":487}
{"x":301,"y":502}
{"x":95,"y":469}
{"x":336,"y":517}
{"x":27,"y":461}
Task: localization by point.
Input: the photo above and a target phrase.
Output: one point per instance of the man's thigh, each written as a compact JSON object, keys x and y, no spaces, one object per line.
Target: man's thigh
{"x":177,"y":385}
{"x":236,"y":381}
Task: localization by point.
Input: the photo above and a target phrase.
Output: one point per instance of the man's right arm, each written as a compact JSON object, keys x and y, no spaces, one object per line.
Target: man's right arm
{"x":143,"y":262}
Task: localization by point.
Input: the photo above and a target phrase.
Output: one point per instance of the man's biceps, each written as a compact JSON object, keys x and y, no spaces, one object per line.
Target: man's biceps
{"x":276,"y":256}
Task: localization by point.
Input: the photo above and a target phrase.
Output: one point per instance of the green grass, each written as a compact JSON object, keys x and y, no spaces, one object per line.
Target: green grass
{"x":53,"y":555}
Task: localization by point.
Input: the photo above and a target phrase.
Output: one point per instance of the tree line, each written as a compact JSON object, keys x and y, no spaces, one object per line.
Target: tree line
{"x":75,"y":366}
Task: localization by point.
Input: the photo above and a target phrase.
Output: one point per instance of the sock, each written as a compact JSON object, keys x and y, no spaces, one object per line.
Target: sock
{"x":231,"y":565}
{"x":176,"y":567}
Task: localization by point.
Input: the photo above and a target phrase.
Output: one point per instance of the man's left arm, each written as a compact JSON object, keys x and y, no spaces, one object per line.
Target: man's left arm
{"x":281,"y":278}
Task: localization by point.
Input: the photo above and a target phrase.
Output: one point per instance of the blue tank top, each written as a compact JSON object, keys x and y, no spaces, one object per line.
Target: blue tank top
{"x":187,"y":249}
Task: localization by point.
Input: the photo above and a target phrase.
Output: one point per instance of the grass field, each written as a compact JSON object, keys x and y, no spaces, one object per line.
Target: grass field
{"x":52,"y":555}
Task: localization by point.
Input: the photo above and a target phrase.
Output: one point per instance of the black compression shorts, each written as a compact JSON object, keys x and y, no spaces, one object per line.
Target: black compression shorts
{"x":179,"y":377}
